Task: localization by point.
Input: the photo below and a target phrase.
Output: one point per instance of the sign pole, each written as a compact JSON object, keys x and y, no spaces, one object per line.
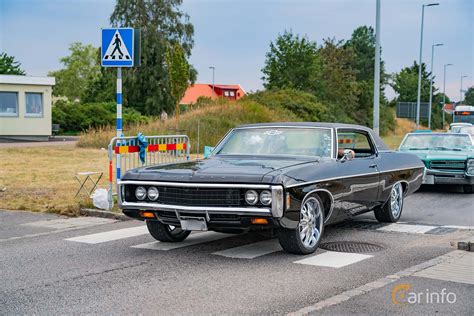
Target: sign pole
{"x":119,"y":118}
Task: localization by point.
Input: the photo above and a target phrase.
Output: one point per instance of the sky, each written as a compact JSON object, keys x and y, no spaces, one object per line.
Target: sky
{"x":234,"y":35}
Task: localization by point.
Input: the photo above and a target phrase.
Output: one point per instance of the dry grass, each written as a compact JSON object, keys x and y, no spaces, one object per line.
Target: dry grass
{"x":42,"y":178}
{"x":214,"y":121}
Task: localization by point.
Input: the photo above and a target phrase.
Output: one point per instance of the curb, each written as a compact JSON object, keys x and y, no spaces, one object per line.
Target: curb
{"x":104,"y":214}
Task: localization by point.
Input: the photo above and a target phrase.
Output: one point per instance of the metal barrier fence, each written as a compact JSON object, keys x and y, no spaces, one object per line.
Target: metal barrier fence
{"x":160,"y":150}
{"x":408,"y":110}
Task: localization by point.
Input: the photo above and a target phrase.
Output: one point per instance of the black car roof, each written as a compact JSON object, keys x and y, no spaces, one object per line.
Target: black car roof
{"x":378,"y":141}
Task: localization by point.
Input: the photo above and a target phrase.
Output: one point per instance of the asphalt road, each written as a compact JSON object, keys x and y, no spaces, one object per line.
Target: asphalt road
{"x":54,"y":265}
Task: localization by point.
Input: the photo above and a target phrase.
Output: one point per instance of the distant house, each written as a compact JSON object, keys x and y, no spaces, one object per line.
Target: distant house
{"x":232,"y":92}
{"x":25,"y":107}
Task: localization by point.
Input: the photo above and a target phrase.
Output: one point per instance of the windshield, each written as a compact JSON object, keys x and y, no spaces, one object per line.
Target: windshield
{"x":436,"y":141}
{"x":278,"y":141}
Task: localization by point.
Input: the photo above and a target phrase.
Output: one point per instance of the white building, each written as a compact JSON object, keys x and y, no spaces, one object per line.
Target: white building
{"x":25,"y":107}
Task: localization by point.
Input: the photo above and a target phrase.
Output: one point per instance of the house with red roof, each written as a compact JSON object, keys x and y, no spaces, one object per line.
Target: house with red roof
{"x":228,"y":91}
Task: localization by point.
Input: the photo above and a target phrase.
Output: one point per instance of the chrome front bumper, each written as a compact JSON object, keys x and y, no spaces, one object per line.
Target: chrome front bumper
{"x":442,"y":177}
{"x":276,"y":209}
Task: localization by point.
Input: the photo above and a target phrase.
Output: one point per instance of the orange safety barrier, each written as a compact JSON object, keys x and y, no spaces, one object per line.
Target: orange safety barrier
{"x":150,"y":148}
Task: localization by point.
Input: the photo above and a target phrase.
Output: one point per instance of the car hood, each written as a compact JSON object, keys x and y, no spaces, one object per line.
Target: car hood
{"x":220,"y":169}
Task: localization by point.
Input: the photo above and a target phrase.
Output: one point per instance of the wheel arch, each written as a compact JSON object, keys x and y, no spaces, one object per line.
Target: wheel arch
{"x":326,"y":197}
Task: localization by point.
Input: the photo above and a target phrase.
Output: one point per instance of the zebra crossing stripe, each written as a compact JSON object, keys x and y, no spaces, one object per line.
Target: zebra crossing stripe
{"x":333,"y":259}
{"x":404,"y":228}
{"x":251,"y":251}
{"x":111,"y":235}
{"x":193,"y":239}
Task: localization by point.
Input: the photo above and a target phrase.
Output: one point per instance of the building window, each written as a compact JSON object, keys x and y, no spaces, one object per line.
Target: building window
{"x":8,"y":103}
{"x":232,"y":93}
{"x":34,"y":104}
{"x":226,"y":93}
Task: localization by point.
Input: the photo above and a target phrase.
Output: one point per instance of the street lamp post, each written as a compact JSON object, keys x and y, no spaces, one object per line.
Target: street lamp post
{"x":377,"y":70}
{"x":213,"y":73}
{"x":431,"y":83}
{"x":460,"y":90}
{"x":418,"y":98}
{"x":444,"y":89}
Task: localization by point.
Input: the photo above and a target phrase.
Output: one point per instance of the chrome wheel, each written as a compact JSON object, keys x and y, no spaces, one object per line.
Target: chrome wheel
{"x":311,"y":223}
{"x":396,"y":200}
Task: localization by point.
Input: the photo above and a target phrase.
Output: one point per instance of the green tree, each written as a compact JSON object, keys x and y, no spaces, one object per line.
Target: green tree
{"x":103,"y":87}
{"x":80,"y":68}
{"x":178,"y":73}
{"x":405,"y":84}
{"x":362,"y":43}
{"x":336,"y":80}
{"x":163,"y":24}
{"x":469,"y":96}
{"x":8,"y":65}
{"x":290,"y":62}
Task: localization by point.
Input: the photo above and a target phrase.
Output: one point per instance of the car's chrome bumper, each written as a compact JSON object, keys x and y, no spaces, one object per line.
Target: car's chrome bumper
{"x":276,"y":209}
{"x":442,"y":177}
{"x":197,"y":209}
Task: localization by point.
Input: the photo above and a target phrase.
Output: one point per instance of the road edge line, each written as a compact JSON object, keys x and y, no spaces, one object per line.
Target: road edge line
{"x":366,"y":288}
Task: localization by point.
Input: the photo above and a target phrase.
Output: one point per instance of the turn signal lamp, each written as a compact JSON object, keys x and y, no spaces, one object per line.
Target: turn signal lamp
{"x":147,"y":214}
{"x":259,"y":221}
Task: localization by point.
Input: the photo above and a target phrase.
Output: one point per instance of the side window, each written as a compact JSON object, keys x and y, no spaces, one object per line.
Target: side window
{"x":358,"y":141}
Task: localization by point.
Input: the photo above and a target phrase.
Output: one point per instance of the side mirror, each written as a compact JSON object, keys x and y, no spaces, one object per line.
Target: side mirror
{"x":207,"y":151}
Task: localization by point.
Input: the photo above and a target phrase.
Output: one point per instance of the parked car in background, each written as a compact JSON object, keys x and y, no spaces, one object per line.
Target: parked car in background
{"x":456,"y":127}
{"x":467,"y":130}
{"x":448,"y":157}
{"x":293,"y":178}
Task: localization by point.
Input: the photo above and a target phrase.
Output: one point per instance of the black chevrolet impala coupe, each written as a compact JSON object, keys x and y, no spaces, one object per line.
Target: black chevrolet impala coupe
{"x":290,"y":178}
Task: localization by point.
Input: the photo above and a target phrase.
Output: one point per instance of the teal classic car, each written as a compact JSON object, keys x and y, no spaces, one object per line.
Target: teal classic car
{"x":448,"y":157}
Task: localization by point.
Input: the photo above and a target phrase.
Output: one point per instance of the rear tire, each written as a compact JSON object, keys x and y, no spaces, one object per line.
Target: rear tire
{"x":306,"y":237}
{"x":468,"y":188}
{"x":166,"y":233}
{"x":392,"y":210}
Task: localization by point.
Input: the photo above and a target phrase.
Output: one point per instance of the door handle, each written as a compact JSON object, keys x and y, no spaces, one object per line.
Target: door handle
{"x":373,"y":166}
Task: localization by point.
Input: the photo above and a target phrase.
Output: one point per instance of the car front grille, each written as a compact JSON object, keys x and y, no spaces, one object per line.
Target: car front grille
{"x":188,"y":196}
{"x":448,"y":165}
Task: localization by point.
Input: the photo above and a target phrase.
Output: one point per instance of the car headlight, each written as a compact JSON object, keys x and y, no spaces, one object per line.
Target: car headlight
{"x":140,"y":193}
{"x":251,"y":197}
{"x":153,"y":193}
{"x":266,"y":197}
{"x":470,"y":166}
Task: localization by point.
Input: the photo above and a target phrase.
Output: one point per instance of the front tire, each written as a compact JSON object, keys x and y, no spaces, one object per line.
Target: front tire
{"x":166,"y":233}
{"x":306,"y":238}
{"x":392,"y":210}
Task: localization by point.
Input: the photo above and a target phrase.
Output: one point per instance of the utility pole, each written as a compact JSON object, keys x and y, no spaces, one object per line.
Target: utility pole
{"x":460,"y":90}
{"x":431,"y":83}
{"x":444,"y":89}
{"x":418,"y":98}
{"x":213,"y":73}
{"x":376,"y":122}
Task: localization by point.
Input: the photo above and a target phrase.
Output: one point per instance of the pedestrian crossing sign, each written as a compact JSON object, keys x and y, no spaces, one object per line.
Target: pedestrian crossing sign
{"x":118,"y":47}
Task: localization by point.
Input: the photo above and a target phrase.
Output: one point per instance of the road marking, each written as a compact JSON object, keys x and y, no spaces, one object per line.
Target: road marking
{"x":66,"y":223}
{"x":333,"y":259}
{"x":111,"y":235}
{"x":375,"y":285}
{"x":193,"y":239}
{"x":459,"y":270}
{"x":405,"y":228}
{"x":251,"y":251}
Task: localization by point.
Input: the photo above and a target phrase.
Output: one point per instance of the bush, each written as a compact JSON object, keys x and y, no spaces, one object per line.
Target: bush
{"x":77,"y":117}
